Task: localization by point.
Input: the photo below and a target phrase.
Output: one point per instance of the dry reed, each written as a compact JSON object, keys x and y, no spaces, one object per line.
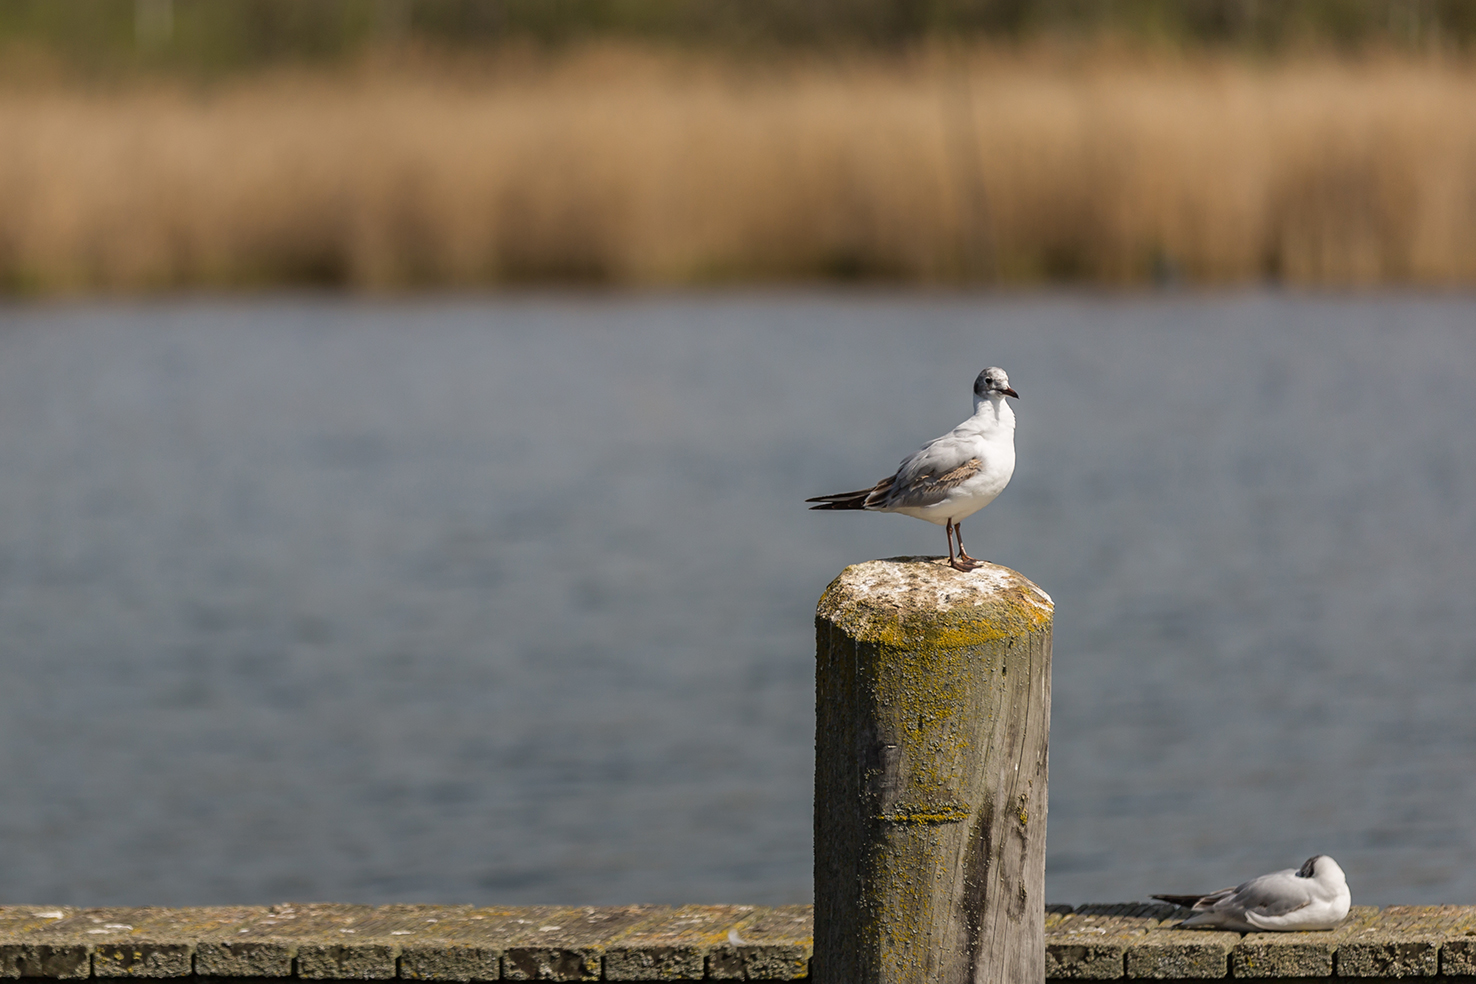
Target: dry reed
{"x":636,"y":168}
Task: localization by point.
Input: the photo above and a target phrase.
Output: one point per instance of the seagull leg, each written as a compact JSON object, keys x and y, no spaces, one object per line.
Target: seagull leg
{"x":963,"y":554}
{"x":966,"y":563}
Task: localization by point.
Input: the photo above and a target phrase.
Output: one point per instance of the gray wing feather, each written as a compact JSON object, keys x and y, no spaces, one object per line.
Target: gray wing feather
{"x":1214,"y":898}
{"x":1275,"y":894}
{"x":930,"y":473}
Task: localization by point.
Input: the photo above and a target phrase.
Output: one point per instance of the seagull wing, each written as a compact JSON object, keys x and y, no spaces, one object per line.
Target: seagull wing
{"x":1275,"y":894}
{"x":930,"y":473}
{"x":1197,"y":901}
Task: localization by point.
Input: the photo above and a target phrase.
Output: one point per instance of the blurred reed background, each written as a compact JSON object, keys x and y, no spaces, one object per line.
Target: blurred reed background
{"x":160,"y":144}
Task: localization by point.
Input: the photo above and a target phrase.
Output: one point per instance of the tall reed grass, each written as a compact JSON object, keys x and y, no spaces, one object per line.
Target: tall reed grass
{"x":628,"y":166}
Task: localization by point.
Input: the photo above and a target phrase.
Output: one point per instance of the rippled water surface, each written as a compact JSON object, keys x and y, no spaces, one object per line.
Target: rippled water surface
{"x":510,"y":600}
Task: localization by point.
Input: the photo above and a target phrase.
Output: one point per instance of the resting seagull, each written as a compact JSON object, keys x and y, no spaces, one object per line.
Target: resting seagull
{"x":1314,"y":896}
{"x":951,"y":477}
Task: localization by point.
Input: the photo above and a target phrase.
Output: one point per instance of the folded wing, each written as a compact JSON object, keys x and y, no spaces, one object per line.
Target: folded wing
{"x":929,"y":475}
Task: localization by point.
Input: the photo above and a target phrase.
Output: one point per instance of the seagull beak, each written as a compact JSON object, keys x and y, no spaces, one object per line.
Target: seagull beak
{"x":1008,"y":391}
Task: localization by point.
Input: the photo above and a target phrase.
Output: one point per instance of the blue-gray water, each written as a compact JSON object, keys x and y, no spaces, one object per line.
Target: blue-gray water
{"x":510,"y":600}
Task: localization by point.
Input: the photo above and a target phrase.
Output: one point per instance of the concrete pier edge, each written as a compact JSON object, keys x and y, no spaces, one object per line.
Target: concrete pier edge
{"x":327,"y":942}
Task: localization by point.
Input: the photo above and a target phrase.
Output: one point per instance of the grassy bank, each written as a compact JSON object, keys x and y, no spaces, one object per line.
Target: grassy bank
{"x":628,"y":166}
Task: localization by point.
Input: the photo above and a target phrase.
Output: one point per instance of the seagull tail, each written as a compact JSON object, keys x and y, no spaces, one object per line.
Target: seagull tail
{"x":1187,"y":901}
{"x":843,"y":500}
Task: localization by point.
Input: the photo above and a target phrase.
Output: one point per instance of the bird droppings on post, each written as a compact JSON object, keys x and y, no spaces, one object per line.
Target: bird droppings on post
{"x":921,"y":600}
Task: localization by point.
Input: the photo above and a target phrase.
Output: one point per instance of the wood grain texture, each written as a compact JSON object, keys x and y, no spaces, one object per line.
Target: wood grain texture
{"x":931,"y":760}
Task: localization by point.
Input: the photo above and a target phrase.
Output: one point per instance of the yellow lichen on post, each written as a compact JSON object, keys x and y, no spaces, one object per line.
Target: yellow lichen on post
{"x":932,"y":727}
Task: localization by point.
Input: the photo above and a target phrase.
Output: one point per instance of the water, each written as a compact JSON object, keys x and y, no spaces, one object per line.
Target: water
{"x":479,"y":600}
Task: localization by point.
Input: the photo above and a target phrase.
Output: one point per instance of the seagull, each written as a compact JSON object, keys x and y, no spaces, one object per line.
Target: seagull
{"x":951,"y":477}
{"x":1314,"y":896}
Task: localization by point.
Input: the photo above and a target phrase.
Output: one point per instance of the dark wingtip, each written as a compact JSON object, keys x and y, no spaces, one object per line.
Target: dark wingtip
{"x":842,"y":500}
{"x":1184,"y":901}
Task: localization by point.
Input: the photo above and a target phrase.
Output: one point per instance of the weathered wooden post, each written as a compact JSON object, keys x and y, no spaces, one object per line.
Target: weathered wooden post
{"x":933,"y":699}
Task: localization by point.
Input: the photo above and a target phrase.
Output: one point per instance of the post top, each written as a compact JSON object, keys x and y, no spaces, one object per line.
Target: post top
{"x":879,"y":599}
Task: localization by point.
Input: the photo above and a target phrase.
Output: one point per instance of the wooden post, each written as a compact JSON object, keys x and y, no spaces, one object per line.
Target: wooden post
{"x":933,"y":700}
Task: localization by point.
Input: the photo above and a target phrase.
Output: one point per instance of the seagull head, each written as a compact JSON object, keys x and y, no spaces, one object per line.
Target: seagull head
{"x":1323,"y":869}
{"x":993,"y":382}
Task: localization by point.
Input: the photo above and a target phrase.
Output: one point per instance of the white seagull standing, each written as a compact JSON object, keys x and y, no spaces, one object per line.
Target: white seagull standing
{"x":1314,"y":896}
{"x":951,"y":477}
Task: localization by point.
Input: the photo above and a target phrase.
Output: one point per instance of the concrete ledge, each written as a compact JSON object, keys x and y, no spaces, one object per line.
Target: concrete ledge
{"x":64,"y":961}
{"x":1167,"y":955}
{"x":321,"y":942}
{"x":1282,"y":955}
{"x":144,"y":958}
